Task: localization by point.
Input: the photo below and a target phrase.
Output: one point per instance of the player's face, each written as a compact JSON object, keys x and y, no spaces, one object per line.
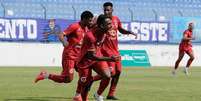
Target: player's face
{"x":191,"y":26}
{"x":51,"y":24}
{"x":107,"y":25}
{"x":108,"y":11}
{"x":88,"y":22}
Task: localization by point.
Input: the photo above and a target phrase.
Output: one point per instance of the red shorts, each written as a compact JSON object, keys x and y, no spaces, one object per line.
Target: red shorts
{"x":115,"y":67}
{"x":68,"y":67}
{"x":185,"y":49}
{"x":69,"y":62}
{"x":85,"y":74}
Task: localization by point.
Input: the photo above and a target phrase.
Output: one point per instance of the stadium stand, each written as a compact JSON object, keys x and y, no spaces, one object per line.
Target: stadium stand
{"x":127,"y":10}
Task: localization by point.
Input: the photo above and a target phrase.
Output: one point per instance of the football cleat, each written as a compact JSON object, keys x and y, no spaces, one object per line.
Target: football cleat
{"x":40,"y":76}
{"x":98,"y":97}
{"x":112,"y":98}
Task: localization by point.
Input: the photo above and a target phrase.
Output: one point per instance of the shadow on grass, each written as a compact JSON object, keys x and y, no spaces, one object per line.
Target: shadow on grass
{"x":39,"y":99}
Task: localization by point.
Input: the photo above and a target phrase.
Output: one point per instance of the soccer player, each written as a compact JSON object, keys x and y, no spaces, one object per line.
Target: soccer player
{"x":72,"y":47}
{"x":186,"y":47}
{"x":92,"y":57}
{"x":110,"y":47}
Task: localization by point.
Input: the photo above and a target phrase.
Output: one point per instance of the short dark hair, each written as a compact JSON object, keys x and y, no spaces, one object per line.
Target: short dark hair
{"x":50,"y":20}
{"x":191,"y":23}
{"x":107,"y":4}
{"x":101,"y":19}
{"x":86,"y":15}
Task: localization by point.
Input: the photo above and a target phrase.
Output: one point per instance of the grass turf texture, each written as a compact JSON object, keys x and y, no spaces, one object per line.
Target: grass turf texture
{"x":136,"y":84}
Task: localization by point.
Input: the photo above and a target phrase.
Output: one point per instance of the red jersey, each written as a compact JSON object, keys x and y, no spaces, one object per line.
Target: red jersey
{"x":75,"y":34}
{"x":91,"y":42}
{"x":187,"y":43}
{"x":110,"y":45}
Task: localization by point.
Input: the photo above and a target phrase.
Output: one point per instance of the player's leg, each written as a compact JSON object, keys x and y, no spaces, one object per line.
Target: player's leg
{"x":41,"y":76}
{"x":102,"y":86}
{"x":84,"y":78}
{"x":111,"y":67}
{"x":192,"y":57}
{"x":190,"y":60}
{"x":105,"y":82}
{"x":114,"y":81}
{"x":85,"y":92}
{"x":103,"y":70}
{"x":78,"y":96}
{"x":84,"y":95}
{"x":97,"y":77}
{"x":67,"y":73}
{"x":181,"y":55}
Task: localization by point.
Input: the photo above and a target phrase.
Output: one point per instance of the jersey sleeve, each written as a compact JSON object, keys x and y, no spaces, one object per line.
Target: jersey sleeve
{"x":70,"y":29}
{"x":185,"y":33}
{"x":119,"y":22}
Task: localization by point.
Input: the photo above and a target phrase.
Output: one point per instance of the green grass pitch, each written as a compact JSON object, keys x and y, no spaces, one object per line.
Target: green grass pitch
{"x":136,"y":84}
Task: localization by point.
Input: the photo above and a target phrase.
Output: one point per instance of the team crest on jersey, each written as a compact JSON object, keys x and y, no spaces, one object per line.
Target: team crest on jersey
{"x":71,"y":71}
{"x":112,"y":34}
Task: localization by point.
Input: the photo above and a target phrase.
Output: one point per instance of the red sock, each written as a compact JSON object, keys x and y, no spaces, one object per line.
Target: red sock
{"x":113,"y":85}
{"x":97,"y":77}
{"x":57,"y":78}
{"x":103,"y":84}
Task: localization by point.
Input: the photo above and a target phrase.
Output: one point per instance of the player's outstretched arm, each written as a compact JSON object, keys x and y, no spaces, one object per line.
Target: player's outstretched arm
{"x":123,"y":31}
{"x":91,"y":55}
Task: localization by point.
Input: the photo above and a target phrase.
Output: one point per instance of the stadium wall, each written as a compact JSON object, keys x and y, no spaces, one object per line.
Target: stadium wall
{"x":165,"y":55}
{"x":40,"y":54}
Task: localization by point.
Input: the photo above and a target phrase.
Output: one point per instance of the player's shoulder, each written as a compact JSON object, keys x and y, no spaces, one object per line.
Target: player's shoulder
{"x":75,"y":25}
{"x":114,"y":17}
{"x":187,"y":31}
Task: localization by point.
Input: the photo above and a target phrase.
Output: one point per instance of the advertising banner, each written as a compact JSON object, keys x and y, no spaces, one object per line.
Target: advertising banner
{"x":35,"y":30}
{"x":147,"y":32}
{"x":41,"y":30}
{"x":135,"y":58}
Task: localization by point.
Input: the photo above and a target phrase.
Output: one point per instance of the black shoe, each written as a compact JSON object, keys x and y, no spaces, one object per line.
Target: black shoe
{"x":112,"y":98}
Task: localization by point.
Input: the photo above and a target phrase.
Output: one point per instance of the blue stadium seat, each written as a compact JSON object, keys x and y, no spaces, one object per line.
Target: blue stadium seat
{"x":166,"y":14}
{"x":62,"y":11}
{"x":147,"y":10}
{"x":23,"y":10}
{"x":191,"y":12}
{"x":96,"y":9}
{"x":123,"y":13}
{"x":142,"y":13}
